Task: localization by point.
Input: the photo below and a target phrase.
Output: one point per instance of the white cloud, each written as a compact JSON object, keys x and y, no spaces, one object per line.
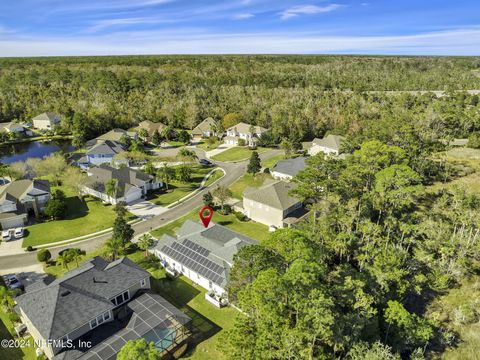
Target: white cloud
{"x":199,"y":41}
{"x":108,"y":23}
{"x":243,"y":16}
{"x":307,"y":10}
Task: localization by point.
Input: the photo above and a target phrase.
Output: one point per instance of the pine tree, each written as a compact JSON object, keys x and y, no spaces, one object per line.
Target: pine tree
{"x":254,"y":165}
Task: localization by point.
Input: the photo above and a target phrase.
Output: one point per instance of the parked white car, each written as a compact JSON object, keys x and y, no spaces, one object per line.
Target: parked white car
{"x":18,"y":233}
{"x":6,"y":235}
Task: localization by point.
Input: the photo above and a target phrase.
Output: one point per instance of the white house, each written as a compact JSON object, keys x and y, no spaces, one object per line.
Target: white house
{"x":287,"y":169}
{"x":131,"y":185}
{"x":204,"y":255}
{"x":271,"y":204}
{"x":46,"y":121}
{"x":102,"y":153}
{"x":329,"y":145}
{"x":247,"y":132}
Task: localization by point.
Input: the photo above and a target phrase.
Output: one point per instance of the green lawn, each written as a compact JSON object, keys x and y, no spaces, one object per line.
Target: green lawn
{"x":246,"y":180}
{"x":179,"y":189}
{"x":250,"y":228}
{"x":271,"y":161}
{"x":207,"y":147}
{"x":237,"y":153}
{"x":217,"y":174}
{"x":83,"y":218}
{"x":185,"y":295}
{"x":176,"y":143}
{"x":7,"y":332}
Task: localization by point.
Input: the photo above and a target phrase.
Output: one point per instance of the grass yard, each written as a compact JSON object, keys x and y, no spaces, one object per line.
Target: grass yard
{"x":237,"y":153}
{"x":7,"y":332}
{"x":246,"y":180}
{"x":179,"y":189}
{"x":204,"y":145}
{"x":83,"y":218}
{"x":250,"y":228}
{"x":217,"y":174}
{"x":271,"y":161}
{"x":185,"y":295}
{"x":175,"y":144}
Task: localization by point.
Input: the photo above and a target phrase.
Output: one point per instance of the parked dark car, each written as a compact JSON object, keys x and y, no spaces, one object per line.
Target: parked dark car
{"x":206,"y":162}
{"x":13,"y":282}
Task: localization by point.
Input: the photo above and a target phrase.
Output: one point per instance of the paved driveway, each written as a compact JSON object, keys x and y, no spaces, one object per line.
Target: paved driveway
{"x":145,"y":209}
{"x":218,"y":150}
{"x":11,"y":247}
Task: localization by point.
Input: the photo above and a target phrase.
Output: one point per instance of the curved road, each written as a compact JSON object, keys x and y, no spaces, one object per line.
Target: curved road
{"x":233,"y":172}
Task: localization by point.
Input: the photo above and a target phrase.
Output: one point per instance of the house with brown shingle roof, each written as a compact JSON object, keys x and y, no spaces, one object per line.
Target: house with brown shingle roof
{"x":204,"y":129}
{"x":151,"y":126}
{"x":46,"y":121}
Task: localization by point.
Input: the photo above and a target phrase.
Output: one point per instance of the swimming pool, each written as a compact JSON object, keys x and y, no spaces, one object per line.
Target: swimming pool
{"x":161,"y":337}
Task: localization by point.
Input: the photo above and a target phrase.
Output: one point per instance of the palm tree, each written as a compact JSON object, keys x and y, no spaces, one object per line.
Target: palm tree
{"x":187,"y":155}
{"x":145,"y":242}
{"x":63,"y":259}
{"x":165,"y":173}
{"x":113,"y":248}
{"x":75,"y":254}
{"x":111,"y":188}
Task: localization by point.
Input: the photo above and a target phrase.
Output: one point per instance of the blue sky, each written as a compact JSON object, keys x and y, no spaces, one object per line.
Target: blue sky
{"x":91,"y":27}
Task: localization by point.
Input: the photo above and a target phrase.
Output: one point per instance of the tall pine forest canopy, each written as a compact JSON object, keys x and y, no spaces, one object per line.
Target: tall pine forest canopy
{"x":299,"y":97}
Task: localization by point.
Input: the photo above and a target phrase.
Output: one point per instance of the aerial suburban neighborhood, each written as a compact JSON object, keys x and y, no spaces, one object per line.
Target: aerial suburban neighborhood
{"x":239,"y":180}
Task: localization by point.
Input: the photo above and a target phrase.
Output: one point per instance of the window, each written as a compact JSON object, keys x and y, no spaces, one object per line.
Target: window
{"x":106,"y":316}
{"x":143,"y":283}
{"x":100,"y":319}
{"x":120,"y":299}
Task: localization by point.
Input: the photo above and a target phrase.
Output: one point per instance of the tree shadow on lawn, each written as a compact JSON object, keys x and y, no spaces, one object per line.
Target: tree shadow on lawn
{"x":77,"y":208}
{"x":8,"y":353}
{"x":225,"y":222}
{"x":180,"y":293}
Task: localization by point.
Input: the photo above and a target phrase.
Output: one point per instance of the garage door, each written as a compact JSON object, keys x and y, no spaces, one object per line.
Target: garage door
{"x":12,"y":223}
{"x":133,"y":195}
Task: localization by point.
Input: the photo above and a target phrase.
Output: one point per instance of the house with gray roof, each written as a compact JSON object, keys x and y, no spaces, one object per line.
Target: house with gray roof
{"x":103,"y":152}
{"x":115,"y":135}
{"x":204,"y":255}
{"x":288,"y":168}
{"x":15,"y":128}
{"x":46,"y":121}
{"x":106,"y":303}
{"x":204,"y":129}
{"x":130,"y":184}
{"x":21,"y":199}
{"x":329,"y":145}
{"x":249,"y":133}
{"x":272,"y":204}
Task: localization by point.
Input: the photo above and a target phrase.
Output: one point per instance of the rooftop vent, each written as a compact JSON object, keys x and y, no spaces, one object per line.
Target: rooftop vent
{"x":65,"y":293}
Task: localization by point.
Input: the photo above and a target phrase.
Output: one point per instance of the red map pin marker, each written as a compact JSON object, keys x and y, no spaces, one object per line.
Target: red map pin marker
{"x":206,"y":214}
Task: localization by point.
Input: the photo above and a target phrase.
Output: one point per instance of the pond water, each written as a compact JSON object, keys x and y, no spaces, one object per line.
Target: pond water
{"x":35,"y":149}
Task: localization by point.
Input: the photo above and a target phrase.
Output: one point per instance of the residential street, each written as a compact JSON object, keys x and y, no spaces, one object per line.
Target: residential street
{"x":233,"y":172}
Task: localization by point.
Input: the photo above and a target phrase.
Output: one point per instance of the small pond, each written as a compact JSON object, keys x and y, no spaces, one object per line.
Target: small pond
{"x":35,"y":149}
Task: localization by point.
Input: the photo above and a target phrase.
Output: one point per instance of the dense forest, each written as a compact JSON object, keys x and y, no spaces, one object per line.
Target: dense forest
{"x":395,"y":230}
{"x":295,"y":96}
